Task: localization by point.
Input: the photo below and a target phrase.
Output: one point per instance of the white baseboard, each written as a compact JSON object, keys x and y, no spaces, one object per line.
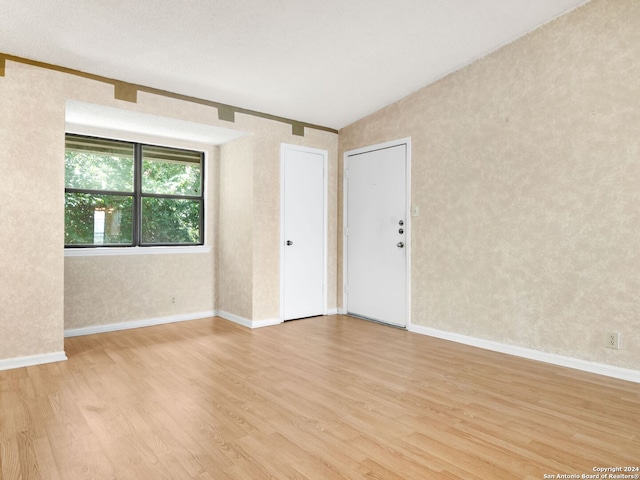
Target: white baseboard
{"x":245,"y":322}
{"x":112,"y":327}
{"x":232,"y":317}
{"x":269,"y":322}
{"x":561,"y":360}
{"x":32,"y":360}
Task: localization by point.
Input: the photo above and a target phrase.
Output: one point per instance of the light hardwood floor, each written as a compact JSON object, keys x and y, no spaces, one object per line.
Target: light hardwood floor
{"x":322,"y":398}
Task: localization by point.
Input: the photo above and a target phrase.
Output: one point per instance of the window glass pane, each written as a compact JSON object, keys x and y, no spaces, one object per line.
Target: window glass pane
{"x":169,"y":171}
{"x":96,"y":164}
{"x":167,"y":221}
{"x":97,"y":219}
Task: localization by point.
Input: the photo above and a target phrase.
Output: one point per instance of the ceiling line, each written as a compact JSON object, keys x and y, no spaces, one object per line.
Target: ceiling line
{"x":128,"y":92}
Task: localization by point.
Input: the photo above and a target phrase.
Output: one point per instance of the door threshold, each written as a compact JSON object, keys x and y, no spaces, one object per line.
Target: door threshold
{"x":380,"y":322}
{"x":303,"y":318}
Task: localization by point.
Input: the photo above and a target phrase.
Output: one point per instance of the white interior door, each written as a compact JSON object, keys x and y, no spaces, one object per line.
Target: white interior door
{"x":303,"y":232}
{"x":377,"y":234}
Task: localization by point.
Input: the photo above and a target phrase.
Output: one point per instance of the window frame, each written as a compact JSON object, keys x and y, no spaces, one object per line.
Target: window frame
{"x":137,"y":195}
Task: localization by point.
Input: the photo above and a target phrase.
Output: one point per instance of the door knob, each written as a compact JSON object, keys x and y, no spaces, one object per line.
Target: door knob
{"x":400,"y":244}
{"x":289,"y":242}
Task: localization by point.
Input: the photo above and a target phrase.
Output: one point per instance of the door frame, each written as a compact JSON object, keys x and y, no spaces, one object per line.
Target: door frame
{"x":408,"y":222}
{"x":284,"y":147}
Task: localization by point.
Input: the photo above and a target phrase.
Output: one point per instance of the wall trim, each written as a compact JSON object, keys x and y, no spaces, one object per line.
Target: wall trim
{"x":531,"y":354}
{"x":129,"y":91}
{"x":245,"y":322}
{"x":333,"y":311}
{"x":149,"y":322}
{"x":32,"y":360}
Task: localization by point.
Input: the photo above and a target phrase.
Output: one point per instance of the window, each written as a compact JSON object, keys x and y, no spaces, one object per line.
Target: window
{"x":129,"y":194}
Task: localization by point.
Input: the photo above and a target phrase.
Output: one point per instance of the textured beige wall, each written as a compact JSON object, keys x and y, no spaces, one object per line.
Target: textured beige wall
{"x":526,"y":169}
{"x":235,"y":238}
{"x":31,"y":214}
{"x":266,"y":218}
{"x":114,"y":289}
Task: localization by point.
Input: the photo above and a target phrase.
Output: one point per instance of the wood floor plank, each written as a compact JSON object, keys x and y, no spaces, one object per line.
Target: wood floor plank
{"x":9,"y":458}
{"x":321,"y":398}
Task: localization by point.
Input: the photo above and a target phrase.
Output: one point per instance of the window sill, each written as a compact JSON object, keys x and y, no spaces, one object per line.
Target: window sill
{"x":111,"y":251}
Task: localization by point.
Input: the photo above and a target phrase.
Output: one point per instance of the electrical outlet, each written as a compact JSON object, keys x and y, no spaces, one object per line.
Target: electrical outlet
{"x":613,"y":340}
{"x":173,"y":301}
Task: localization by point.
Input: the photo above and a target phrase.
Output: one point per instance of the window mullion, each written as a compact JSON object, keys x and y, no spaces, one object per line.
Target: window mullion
{"x":171,"y":196}
{"x":98,"y":192}
{"x":137,"y":189}
{"x":202,"y":183}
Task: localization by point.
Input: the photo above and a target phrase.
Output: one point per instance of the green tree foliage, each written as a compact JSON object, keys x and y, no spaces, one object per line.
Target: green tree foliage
{"x":95,"y":171}
{"x":167,"y":220}
{"x":171,"y":178}
{"x":80,"y":210}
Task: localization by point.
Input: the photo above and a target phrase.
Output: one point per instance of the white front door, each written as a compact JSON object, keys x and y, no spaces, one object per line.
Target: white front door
{"x":303,"y":232}
{"x":376,"y":233}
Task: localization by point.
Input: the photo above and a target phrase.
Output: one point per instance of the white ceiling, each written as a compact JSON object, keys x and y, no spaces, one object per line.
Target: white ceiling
{"x":326,"y":62}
